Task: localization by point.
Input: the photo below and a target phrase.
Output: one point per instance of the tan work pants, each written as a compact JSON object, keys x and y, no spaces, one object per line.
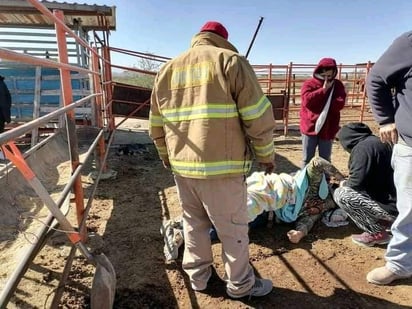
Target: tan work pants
{"x":221,"y":202}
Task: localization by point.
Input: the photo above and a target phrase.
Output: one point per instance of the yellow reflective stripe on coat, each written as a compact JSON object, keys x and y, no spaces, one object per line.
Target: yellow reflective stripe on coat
{"x":256,"y":110}
{"x":210,"y":168}
{"x":206,"y":111}
{"x":192,"y":75}
{"x":264,"y":151}
{"x":155,"y":121}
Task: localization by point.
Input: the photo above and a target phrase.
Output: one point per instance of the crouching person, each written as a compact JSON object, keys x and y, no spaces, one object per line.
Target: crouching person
{"x":368,"y":196}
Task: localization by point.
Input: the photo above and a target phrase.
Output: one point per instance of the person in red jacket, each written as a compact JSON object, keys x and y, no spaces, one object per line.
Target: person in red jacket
{"x":323,"y":97}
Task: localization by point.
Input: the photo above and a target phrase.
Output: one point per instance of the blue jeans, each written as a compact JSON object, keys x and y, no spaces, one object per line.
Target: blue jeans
{"x":399,"y":252}
{"x":309,"y":144}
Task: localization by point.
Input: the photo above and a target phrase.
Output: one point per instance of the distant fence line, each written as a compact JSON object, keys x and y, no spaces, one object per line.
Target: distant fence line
{"x":282,"y":84}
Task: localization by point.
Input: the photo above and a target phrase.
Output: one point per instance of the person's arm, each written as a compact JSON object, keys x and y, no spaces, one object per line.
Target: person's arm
{"x":156,"y":131}
{"x":255,"y":109}
{"x":313,"y":98}
{"x":359,"y":166}
{"x":318,"y":166}
{"x":392,"y":66}
{"x":305,"y":222}
{"x":303,"y":225}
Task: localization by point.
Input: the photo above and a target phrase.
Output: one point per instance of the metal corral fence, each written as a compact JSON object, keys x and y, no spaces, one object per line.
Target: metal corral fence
{"x":96,"y":66}
{"x":282,"y":84}
{"x":86,"y":82}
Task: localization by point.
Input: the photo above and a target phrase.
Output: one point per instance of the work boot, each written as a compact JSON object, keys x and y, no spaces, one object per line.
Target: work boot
{"x":383,"y":276}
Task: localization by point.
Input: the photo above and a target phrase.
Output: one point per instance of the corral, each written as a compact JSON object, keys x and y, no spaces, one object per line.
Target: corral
{"x":117,"y":199}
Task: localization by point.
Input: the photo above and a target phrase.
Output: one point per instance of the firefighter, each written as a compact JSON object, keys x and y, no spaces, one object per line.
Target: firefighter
{"x":208,"y":116}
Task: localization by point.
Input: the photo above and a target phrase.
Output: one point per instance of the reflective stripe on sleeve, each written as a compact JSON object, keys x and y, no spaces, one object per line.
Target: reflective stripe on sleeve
{"x":256,"y":110}
{"x":162,"y":150}
{"x":264,"y":151}
{"x":155,"y":121}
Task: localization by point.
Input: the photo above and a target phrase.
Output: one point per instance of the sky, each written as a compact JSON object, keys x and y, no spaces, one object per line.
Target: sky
{"x":299,"y":31}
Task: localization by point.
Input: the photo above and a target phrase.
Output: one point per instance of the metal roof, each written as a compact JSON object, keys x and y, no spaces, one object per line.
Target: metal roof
{"x":20,"y":13}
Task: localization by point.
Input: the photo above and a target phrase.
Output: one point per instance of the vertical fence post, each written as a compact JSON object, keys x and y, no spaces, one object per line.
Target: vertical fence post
{"x":354,"y":90}
{"x":287,"y":99}
{"x":108,"y":88}
{"x":270,"y":79}
{"x":36,"y":104}
{"x":364,"y":94}
{"x":98,"y":110}
{"x":67,"y":96}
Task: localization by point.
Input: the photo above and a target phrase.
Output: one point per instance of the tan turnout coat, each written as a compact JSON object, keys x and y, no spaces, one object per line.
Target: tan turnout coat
{"x":208,"y":112}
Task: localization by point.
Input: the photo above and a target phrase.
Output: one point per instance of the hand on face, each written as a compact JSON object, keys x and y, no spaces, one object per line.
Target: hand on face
{"x":327,"y":76}
{"x":327,"y":83}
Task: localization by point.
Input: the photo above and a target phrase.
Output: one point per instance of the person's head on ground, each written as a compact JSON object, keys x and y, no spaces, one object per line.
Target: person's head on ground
{"x":326,"y":69}
{"x":352,"y":133}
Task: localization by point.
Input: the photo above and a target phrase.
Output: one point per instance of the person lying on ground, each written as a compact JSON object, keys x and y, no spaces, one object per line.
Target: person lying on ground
{"x":368,"y":196}
{"x":301,"y":198}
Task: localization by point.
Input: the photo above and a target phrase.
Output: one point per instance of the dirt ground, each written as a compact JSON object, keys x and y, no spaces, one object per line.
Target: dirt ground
{"x":325,"y":270}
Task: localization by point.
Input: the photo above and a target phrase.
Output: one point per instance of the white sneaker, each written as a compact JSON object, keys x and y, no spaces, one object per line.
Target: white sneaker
{"x":261,"y":287}
{"x":383,"y":276}
{"x":173,"y":239}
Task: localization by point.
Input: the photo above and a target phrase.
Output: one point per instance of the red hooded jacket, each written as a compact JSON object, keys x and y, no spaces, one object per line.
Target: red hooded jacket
{"x":314,"y":98}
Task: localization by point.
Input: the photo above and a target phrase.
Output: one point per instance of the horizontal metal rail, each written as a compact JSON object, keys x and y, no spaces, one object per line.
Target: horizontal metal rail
{"x":15,"y":56}
{"x":20,"y":130}
{"x":38,"y":5}
{"x":74,"y":183}
{"x":41,"y":235}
